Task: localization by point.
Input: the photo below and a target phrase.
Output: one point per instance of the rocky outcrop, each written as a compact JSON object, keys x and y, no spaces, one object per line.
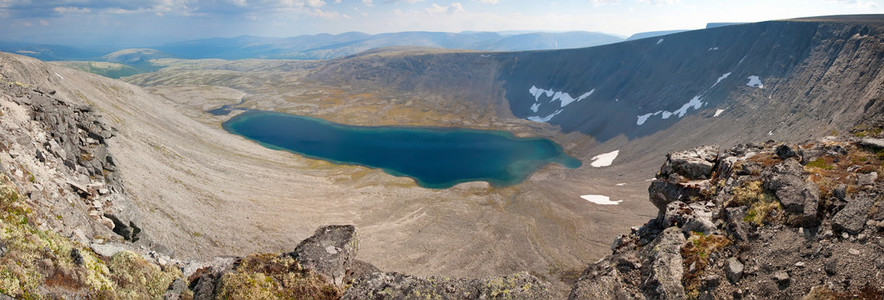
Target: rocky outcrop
{"x":695,"y":164}
{"x":329,"y":252}
{"x":401,"y":286}
{"x":755,"y":221}
{"x":684,"y":175}
{"x":71,"y":140}
{"x":662,"y":270}
{"x":853,"y":217}
{"x":797,"y":196}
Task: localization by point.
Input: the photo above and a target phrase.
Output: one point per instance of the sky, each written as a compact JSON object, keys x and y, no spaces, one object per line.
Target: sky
{"x":152,"y":22}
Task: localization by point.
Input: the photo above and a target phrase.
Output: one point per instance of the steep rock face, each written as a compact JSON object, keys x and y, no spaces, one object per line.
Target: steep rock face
{"x":790,"y":68}
{"x":63,"y":149}
{"x":767,"y":225}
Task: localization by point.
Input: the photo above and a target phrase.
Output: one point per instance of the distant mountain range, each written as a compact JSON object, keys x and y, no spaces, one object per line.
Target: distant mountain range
{"x":318,"y":46}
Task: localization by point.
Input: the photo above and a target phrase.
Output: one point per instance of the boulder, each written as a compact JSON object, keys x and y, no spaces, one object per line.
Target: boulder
{"x":124,"y":227}
{"x":204,"y":287}
{"x":173,"y":292}
{"x":359,"y":269}
{"x":873,"y":143}
{"x":664,"y":191}
{"x":329,"y":252}
{"x":781,"y":277}
{"x":799,"y":198}
{"x":866,"y":179}
{"x":736,"y":227}
{"x":784,"y":152}
{"x":689,"y":217}
{"x":107,"y":250}
{"x":400,"y":286}
{"x":852,"y":218}
{"x":599,"y":282}
{"x":693,"y":164}
{"x":662,"y":271}
{"x":734,"y":270}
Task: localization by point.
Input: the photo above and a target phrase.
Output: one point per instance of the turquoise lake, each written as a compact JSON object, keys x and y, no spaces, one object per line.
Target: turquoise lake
{"x":434,"y":157}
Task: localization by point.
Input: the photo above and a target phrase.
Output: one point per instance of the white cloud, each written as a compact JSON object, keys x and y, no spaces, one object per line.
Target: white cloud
{"x":332,"y":15}
{"x":367,"y":2}
{"x":857,"y":3}
{"x":240,"y":3}
{"x":71,"y":10}
{"x":603,"y":2}
{"x":44,"y":23}
{"x":660,"y":2}
{"x":488,"y":1}
{"x":314,"y":3}
{"x":453,"y":8}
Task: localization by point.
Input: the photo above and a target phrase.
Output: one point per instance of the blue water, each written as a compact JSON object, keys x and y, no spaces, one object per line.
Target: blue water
{"x":434,"y":157}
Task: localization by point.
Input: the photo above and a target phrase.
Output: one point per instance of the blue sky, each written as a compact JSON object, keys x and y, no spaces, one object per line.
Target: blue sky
{"x":151,"y":22}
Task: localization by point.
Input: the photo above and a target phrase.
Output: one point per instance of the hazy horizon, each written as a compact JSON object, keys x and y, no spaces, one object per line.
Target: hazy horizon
{"x":154,"y":22}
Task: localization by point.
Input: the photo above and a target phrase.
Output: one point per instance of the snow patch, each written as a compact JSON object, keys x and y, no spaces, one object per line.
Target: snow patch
{"x":599,"y":199}
{"x":713,"y":49}
{"x":659,"y":41}
{"x":754,"y":81}
{"x":605,"y":159}
{"x":769,"y":133}
{"x":725,"y":75}
{"x":718,"y":112}
{"x":621,"y":184}
{"x":741,"y":60}
{"x":694,"y":103}
{"x":564,"y":100}
{"x":59,"y":76}
{"x":643,"y":118}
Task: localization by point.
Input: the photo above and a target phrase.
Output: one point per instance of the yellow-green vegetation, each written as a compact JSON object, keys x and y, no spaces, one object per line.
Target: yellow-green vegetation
{"x":820,"y":163}
{"x":39,"y":261}
{"x":763,"y":211}
{"x":136,"y":277}
{"x":830,"y":171}
{"x":268,"y":276}
{"x":865,"y":131}
{"x":696,"y":255}
{"x":750,"y":193}
{"x":503,"y":287}
{"x":762,"y":204}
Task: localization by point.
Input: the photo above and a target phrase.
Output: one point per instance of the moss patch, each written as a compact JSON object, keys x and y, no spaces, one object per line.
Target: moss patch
{"x":696,"y":254}
{"x":762,"y":212}
{"x":266,"y":276}
{"x":820,"y":163}
{"x":39,"y":261}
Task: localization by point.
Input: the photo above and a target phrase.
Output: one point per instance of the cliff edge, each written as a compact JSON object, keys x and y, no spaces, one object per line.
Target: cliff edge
{"x":757,"y":221}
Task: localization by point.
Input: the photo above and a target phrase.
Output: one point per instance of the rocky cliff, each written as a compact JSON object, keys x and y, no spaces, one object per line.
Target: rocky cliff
{"x":756,"y":221}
